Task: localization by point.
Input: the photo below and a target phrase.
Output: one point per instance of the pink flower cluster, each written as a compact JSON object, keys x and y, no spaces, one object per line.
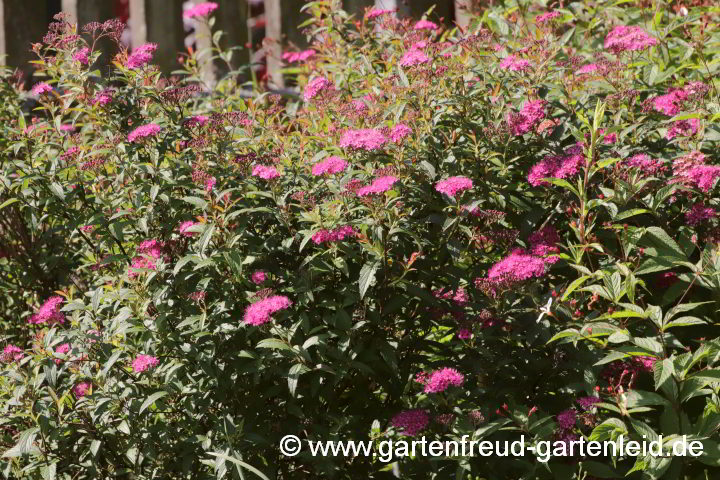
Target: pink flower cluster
{"x":292,"y":57}
{"x":153,"y":249}
{"x":587,"y":69}
{"x":200,"y":10}
{"x":459,"y":296}
{"x":439,"y":380}
{"x":514,"y":64}
{"x":411,"y":422}
{"x":258,"y":277}
{"x":399,"y":132}
{"x":259,"y":313}
{"x":698,"y":213}
{"x":648,"y":166}
{"x":425,"y":25}
{"x":378,"y":12}
{"x":451,"y":186}
{"x":102,"y":98}
{"x":522,"y":122}
{"x":692,"y":169}
{"x":519,"y":265}
{"x":330,"y":165}
{"x":547,"y":16}
{"x":82,"y":56}
{"x":142,"y":362}
{"x":184,"y":226}
{"x":265,"y":172}
{"x":557,"y":166}
{"x":196,"y":120}
{"x":566,"y":419}
{"x":379,"y":185}
{"x":81,"y":389}
{"x":543,"y":243}
{"x":625,"y":38}
{"x":41,"y":88}
{"x":366,"y":139}
{"x":316,"y":86}
{"x":61,"y":349}
{"x":12,"y":353}
{"x":144,"y":131}
{"x":336,"y":235}
{"x":49,"y":312}
{"x":683,"y":128}
{"x":141,"y":56}
{"x":414,"y":57}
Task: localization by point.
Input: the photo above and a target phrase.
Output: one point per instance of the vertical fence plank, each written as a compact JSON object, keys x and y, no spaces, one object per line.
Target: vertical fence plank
{"x":231,"y":18}
{"x":83,"y":12}
{"x":160,"y":23}
{"x":23,"y":22}
{"x":462,"y":13}
{"x":273,"y":42}
{"x":417,"y":8}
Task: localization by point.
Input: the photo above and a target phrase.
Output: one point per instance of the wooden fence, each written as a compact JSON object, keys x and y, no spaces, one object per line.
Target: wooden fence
{"x":23,"y":22}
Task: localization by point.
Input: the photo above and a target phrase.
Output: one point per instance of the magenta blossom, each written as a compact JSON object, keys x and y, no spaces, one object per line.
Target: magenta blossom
{"x":379,"y":185}
{"x":566,"y":419}
{"x":411,"y":422}
{"x":683,"y":128}
{"x":399,"y":132}
{"x":259,"y":313}
{"x":413,"y":57}
{"x":316,"y":86}
{"x":185,"y":226}
{"x":49,"y":312}
{"x":258,"y":277}
{"x":82,"y":56}
{"x":41,"y":88}
{"x":557,"y":166}
{"x":377,"y":12}
{"x":625,"y":38}
{"x":440,"y":380}
{"x":142,"y":362}
{"x":330,"y":165}
{"x":12,"y":353}
{"x":144,"y":131}
{"x":522,"y":122}
{"x":365,"y":139}
{"x":141,"y":56}
{"x":698,"y":214}
{"x":292,"y":57}
{"x":81,"y":389}
{"x":547,"y":16}
{"x":518,"y":266}
{"x":425,"y":25}
{"x":453,"y":185}
{"x":514,"y":64}
{"x":200,"y":10}
{"x":335,"y":235}
{"x":265,"y":172}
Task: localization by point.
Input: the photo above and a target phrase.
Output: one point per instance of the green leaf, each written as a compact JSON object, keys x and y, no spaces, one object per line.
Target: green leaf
{"x":573,"y":286}
{"x":152,"y":399}
{"x":663,"y":371}
{"x":273,"y":343}
{"x":240,"y":463}
{"x":367,"y":276}
{"x":24,"y":444}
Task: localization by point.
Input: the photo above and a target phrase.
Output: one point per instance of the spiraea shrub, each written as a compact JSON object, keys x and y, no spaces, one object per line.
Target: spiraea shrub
{"x":499,"y":231}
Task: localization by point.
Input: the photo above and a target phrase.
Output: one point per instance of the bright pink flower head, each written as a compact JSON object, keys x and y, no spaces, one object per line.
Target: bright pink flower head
{"x":546,"y":17}
{"x":258,"y":277}
{"x":648,"y":166}
{"x":366,"y":139}
{"x":49,"y":312}
{"x":102,"y":98}
{"x":184,"y":226}
{"x":514,"y":64}
{"x":259,"y":313}
{"x":413,"y":57}
{"x":411,"y":422}
{"x":292,"y":57}
{"x":62,"y":349}
{"x":265,"y":172}
{"x":82,"y":56}
{"x":566,"y":419}
{"x":560,"y":166}
{"x":672,"y":102}
{"x":377,"y":12}
{"x":197,"y":120}
{"x":11,"y":353}
{"x":41,"y":88}
{"x":453,"y":185}
{"x":330,"y":165}
{"x":316,"y":86}
{"x":210,"y":184}
{"x":587,"y":69}
{"x":625,"y":38}
{"x":522,"y":122}
{"x":698,"y":214}
{"x":141,"y":56}
{"x":336,"y":235}
{"x":683,"y":128}
{"x":517,"y":266}
{"x":543,"y":243}
{"x":463,"y":334}
{"x":143,"y":362}
{"x":399,"y":132}
{"x":587,"y":403}
{"x":81,"y":389}
{"x":144,"y":131}
{"x":440,"y":380}
{"x":379,"y":185}
{"x":200,"y":10}
{"x":425,"y":25}
{"x":704,"y":176}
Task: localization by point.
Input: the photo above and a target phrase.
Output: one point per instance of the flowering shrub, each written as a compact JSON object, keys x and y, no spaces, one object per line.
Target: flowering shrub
{"x":504,"y":231}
